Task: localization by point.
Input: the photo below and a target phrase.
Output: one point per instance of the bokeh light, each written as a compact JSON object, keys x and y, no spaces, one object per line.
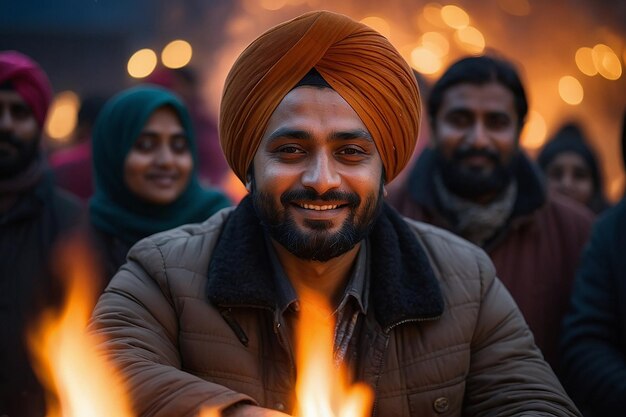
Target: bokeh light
{"x":584,"y":61}
{"x":273,"y":4}
{"x":177,"y":54}
{"x":436,"y":42}
{"x":378,"y":24}
{"x":62,"y":116}
{"x":454,"y":16}
{"x":142,"y":63}
{"x":534,"y":134}
{"x":515,"y":7}
{"x":617,"y":187}
{"x":570,"y":90}
{"x":425,"y":61}
{"x":432,"y":14}
{"x":607,"y":62}
{"x":470,"y":39}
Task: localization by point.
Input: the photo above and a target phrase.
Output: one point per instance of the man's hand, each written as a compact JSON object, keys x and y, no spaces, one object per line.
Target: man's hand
{"x":247,"y":410}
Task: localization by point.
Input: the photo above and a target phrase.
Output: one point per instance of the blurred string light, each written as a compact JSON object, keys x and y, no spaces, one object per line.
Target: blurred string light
{"x":273,"y":4}
{"x":584,"y":61}
{"x":432,"y":15}
{"x":176,"y":54}
{"x":570,"y":90}
{"x":436,"y":42}
{"x":606,"y":61}
{"x":617,"y":187}
{"x":378,"y":24}
{"x":534,"y":134}
{"x":470,"y":39}
{"x":142,"y":63}
{"x":515,"y":7}
{"x":600,"y":59}
{"x":454,"y":16}
{"x":62,"y":116}
{"x":425,"y":61}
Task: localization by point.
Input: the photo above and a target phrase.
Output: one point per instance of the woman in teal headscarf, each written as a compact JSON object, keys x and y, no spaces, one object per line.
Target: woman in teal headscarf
{"x":145,"y":165}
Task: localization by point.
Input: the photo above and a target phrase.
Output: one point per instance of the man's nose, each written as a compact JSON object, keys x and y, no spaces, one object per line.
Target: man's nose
{"x":478,"y":136}
{"x":321,"y":174}
{"x":6,"y":120}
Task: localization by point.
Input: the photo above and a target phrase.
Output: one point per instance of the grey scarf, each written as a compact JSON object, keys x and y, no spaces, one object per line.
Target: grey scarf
{"x":475,"y":222}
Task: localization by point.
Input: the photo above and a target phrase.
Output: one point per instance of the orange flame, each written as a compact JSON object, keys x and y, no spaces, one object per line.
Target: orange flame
{"x":209,"y":412}
{"x":323,"y":389}
{"x":80,"y":383}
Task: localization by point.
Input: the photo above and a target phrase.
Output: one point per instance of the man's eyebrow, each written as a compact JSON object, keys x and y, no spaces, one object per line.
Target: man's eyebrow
{"x":303,"y":134}
{"x":353,"y":134}
{"x":287,"y":132}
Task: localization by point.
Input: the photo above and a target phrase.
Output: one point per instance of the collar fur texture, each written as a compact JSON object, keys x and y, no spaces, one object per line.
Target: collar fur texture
{"x":403,"y":285}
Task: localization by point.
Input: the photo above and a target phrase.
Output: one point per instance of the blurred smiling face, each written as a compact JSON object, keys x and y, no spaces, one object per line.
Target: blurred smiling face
{"x":476,"y":134}
{"x":19,"y":134}
{"x":158,"y":167}
{"x":317,"y":175}
{"x":569,"y":174}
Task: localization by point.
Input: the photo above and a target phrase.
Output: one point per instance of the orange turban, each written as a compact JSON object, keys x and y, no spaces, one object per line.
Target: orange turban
{"x":359,"y":63}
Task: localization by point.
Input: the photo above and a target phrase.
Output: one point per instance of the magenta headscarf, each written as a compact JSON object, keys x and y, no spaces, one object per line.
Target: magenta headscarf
{"x":28,"y":80}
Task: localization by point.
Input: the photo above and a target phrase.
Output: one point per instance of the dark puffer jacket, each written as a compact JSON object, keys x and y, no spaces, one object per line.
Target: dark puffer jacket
{"x":442,"y":335}
{"x":594,"y":335}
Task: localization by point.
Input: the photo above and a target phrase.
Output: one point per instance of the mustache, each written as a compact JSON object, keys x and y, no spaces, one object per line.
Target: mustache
{"x":7,"y":137}
{"x":288,"y":197}
{"x":460,"y":154}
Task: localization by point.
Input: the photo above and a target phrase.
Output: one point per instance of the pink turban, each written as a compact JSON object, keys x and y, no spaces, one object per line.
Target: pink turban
{"x":359,"y":63}
{"x":28,"y":80}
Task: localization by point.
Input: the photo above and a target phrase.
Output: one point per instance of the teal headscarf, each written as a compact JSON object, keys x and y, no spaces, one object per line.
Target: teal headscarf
{"x":114,"y":208}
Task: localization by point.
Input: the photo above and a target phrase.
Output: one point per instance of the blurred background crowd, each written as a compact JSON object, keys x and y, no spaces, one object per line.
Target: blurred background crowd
{"x":571,"y":53}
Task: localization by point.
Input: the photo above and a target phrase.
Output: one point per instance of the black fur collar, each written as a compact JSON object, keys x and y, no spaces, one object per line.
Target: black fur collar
{"x":403,"y":285}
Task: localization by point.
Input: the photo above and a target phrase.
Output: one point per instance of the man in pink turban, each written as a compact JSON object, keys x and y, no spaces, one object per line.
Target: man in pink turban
{"x":317,"y":115}
{"x":33,"y":215}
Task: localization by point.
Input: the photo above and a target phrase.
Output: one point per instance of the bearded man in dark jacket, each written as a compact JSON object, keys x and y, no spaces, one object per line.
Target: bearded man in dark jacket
{"x":478,"y":183}
{"x":33,"y":216}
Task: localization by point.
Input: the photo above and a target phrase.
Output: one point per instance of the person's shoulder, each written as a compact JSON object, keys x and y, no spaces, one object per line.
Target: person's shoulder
{"x":611,"y":225}
{"x":449,"y":252}
{"x":66,"y":198}
{"x":565,"y":206}
{"x":185,"y":245}
{"x":68,"y":210}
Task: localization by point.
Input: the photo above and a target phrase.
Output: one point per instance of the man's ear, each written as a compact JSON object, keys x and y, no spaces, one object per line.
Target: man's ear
{"x":250,"y":180}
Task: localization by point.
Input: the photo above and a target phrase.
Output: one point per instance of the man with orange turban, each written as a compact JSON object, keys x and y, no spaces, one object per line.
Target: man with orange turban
{"x":318,"y":114}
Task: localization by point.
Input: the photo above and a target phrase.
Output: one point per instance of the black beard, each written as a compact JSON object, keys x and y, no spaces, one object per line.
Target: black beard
{"x":27,"y":151}
{"x":470,"y":183}
{"x":318,"y":244}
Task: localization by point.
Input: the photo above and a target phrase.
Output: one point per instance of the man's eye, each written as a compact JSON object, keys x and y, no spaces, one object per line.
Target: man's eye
{"x":350,"y":151}
{"x":20,"y":111}
{"x":459,"y":119}
{"x":498,"y":121}
{"x":290,"y":149}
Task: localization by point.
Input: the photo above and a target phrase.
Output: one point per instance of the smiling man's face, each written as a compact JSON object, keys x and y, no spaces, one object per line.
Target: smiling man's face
{"x":317,"y":179}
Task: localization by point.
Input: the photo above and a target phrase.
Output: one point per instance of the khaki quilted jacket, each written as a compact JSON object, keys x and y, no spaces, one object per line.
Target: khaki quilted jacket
{"x":191,"y":321}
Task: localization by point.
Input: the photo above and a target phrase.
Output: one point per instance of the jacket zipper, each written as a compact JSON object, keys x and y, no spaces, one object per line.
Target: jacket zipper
{"x":415,"y":320}
{"x":387,"y":330}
